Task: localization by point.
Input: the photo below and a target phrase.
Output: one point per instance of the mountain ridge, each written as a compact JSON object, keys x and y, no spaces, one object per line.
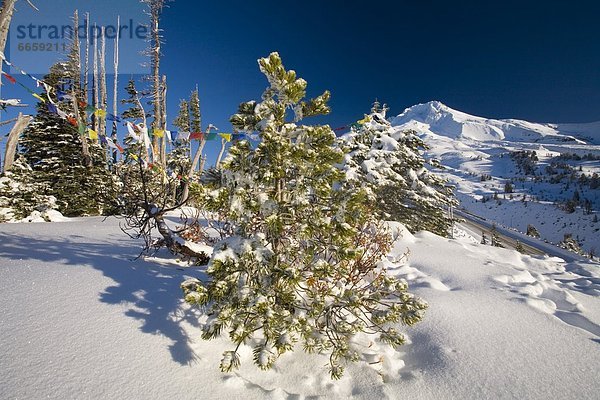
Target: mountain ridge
{"x":434,"y":117}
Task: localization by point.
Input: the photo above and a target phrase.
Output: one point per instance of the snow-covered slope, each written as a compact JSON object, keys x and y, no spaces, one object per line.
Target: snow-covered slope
{"x":477,"y":155}
{"x":80,"y":319}
{"x":442,"y":120}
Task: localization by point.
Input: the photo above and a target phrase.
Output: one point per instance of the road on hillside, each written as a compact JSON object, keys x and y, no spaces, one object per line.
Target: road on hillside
{"x":475,"y":229}
{"x":475,"y":224}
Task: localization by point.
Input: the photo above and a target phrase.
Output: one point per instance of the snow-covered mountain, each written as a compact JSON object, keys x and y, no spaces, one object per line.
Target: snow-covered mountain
{"x":480,"y":156}
{"x":440,"y":119}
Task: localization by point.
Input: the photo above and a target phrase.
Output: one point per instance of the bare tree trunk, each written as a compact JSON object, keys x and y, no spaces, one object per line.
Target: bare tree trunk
{"x":223,"y":144}
{"x":95,"y":78}
{"x":8,"y":7}
{"x":76,"y":54}
{"x":86,"y":69}
{"x":163,"y":113}
{"x":186,"y":187}
{"x":197,"y":156}
{"x":76,"y":89}
{"x":115,"y":87}
{"x":85,"y":150}
{"x":103,"y":94}
{"x":6,"y":14}
{"x":155,"y":10}
{"x":202,"y":164}
{"x":13,"y":139}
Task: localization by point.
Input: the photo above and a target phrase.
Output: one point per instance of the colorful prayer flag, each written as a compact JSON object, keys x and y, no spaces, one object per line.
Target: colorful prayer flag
{"x":72,"y":121}
{"x":112,"y":144}
{"x":184,"y":135}
{"x":90,"y":108}
{"x":196,"y":136}
{"x":61,"y":113}
{"x":159,"y":133}
{"x":52,"y":108}
{"x":100,"y":113}
{"x":145,"y":136}
{"x":211,"y":136}
{"x":62,"y":96}
{"x":37,"y":96}
{"x":93,"y":134}
{"x":9,"y":78}
{"x":132,"y":134}
{"x":366,"y":119}
{"x":226,"y":136}
{"x":110,"y":117}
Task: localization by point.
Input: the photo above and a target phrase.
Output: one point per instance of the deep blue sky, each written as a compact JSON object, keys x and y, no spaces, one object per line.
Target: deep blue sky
{"x":508,"y":59}
{"x":533,"y":60}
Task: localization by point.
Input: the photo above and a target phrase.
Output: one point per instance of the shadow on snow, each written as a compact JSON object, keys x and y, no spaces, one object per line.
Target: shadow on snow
{"x":152,"y":290}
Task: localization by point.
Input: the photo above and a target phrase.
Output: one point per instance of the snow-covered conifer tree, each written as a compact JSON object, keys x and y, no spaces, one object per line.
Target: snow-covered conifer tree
{"x":53,"y":149}
{"x":389,"y":163}
{"x":304,"y":262}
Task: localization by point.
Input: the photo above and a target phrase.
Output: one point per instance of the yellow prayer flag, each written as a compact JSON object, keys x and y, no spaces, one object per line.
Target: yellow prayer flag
{"x":366,"y":119}
{"x":100,"y":113}
{"x":159,"y":132}
{"x":226,"y":136}
{"x":37,"y":96}
{"x":93,"y":134}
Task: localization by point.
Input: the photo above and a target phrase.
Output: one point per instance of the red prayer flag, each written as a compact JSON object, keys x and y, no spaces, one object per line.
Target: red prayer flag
{"x":10,"y":78}
{"x":72,"y":121}
{"x":196,"y":135}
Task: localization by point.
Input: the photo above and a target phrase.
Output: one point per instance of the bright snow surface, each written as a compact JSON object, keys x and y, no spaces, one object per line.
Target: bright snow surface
{"x":80,"y":320}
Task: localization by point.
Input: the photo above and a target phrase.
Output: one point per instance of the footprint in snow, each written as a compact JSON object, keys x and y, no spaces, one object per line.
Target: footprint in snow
{"x":547,"y":296}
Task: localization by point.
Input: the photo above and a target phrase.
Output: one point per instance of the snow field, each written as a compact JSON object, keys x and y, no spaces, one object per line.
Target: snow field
{"x":80,"y":320}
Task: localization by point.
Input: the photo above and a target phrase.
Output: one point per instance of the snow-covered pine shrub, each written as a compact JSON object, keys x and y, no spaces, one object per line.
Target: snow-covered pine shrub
{"x":519,"y":247}
{"x":483,"y":238}
{"x":304,"y":263}
{"x":570,"y":244}
{"x":388,"y":162}
{"x":532,"y":231}
{"x":495,"y":237}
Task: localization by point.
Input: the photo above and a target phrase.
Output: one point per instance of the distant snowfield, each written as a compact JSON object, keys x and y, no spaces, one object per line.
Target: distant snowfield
{"x":80,"y":320}
{"x":470,"y":146}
